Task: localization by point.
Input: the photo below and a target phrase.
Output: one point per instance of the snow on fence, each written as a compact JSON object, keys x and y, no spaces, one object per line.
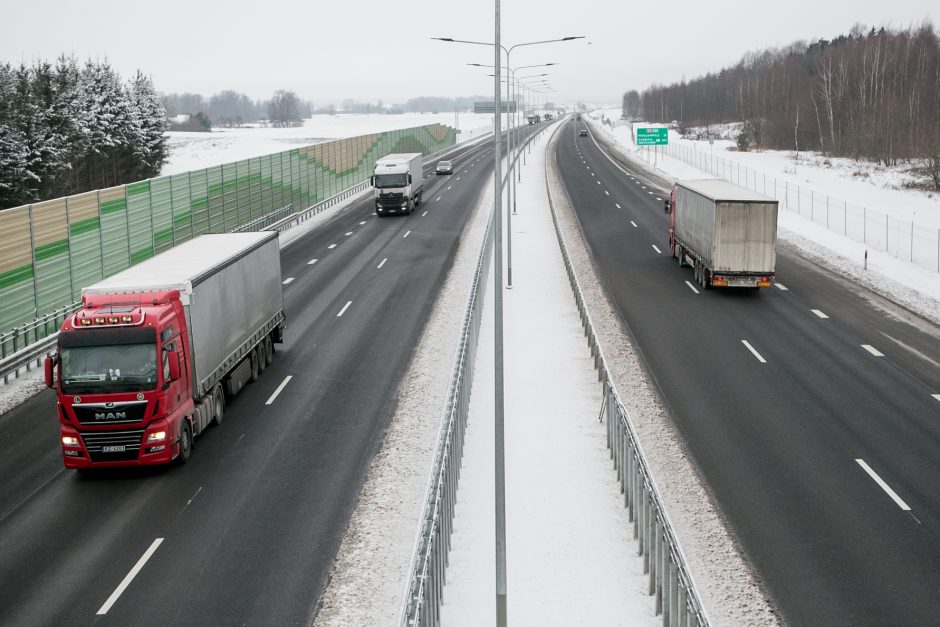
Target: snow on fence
{"x":904,"y":239}
{"x":50,"y":250}
{"x":670,"y":579}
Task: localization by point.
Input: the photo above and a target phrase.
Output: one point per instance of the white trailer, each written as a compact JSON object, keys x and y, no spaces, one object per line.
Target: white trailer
{"x":726,"y":233}
{"x":399,"y":182}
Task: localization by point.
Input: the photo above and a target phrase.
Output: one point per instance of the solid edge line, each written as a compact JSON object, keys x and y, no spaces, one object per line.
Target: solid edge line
{"x":130,"y":577}
{"x":754,"y":352}
{"x":884,"y":486}
{"x":279,"y":389}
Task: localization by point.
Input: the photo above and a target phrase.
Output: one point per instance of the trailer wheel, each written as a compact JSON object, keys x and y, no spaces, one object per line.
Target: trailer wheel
{"x":262,"y":362}
{"x":255,"y":359}
{"x":268,"y":350}
{"x":186,"y":442}
{"x":219,"y":402}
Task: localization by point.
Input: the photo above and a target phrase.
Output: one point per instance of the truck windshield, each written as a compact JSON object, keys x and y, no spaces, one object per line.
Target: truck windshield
{"x":391,"y":180}
{"x":109,"y":369}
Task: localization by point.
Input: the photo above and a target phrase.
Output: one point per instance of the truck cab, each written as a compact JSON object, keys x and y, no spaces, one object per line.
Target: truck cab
{"x":123,"y":393}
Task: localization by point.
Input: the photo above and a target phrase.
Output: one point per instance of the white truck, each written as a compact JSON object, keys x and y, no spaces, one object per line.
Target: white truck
{"x":398,"y":181}
{"x":726,"y":233}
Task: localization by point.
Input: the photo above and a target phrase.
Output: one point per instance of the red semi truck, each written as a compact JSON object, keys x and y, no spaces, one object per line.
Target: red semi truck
{"x":145,"y":365}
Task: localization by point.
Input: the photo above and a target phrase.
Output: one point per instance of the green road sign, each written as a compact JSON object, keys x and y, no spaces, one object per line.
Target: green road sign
{"x":652,"y":136}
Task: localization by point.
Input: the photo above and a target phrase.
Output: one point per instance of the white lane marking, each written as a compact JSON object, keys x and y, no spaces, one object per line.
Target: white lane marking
{"x":436,"y":199}
{"x":659,"y":199}
{"x":379,"y":267}
{"x":884,"y":486}
{"x":936,"y":396}
{"x":637,"y":182}
{"x":874,"y":351}
{"x":606,"y":192}
{"x":643,"y":186}
{"x":312,"y":261}
{"x":755,"y":353}
{"x":406,"y":235}
{"x":331,"y":246}
{"x":650,"y":193}
{"x":819,"y":313}
{"x":130,"y":577}
{"x":362,"y":223}
{"x":656,"y":248}
{"x":424,"y":214}
{"x":781,"y":287}
{"x":343,"y":310}
{"x":348,"y":234}
{"x":287,"y":280}
{"x":279,"y":389}
{"x":691,"y":287}
{"x":633,"y":223}
{"x":458,"y":178}
{"x":449,"y":187}
{"x":190,"y":501}
{"x":618,"y":206}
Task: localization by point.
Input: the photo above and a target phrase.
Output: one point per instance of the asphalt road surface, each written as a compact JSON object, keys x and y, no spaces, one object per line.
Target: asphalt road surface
{"x":812,"y":408}
{"x":246,"y":532}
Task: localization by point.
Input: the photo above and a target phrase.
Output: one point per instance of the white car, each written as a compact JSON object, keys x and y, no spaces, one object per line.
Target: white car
{"x":444,"y":167}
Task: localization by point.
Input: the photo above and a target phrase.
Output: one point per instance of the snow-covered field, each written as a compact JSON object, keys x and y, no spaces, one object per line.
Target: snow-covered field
{"x":914,"y":285}
{"x":194,"y":151}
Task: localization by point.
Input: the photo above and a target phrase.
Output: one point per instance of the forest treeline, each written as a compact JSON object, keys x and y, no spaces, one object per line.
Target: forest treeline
{"x":870,"y":94}
{"x":67,"y":128}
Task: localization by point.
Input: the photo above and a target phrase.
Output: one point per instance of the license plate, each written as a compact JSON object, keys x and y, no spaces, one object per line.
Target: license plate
{"x":113,"y":449}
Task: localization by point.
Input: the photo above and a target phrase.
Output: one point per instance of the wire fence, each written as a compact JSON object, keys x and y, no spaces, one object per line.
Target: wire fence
{"x":903,"y":239}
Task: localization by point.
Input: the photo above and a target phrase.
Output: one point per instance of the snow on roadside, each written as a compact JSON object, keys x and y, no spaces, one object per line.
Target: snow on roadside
{"x":571,"y":557}
{"x":907,"y":284}
{"x":21,"y":388}
{"x":731,"y":593}
{"x":367,"y":581}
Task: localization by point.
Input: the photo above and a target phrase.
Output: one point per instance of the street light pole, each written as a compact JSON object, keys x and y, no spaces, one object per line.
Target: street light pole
{"x":500,"y":441}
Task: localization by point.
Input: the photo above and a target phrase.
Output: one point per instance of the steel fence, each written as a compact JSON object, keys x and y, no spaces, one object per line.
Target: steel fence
{"x":903,"y":239}
{"x":670,"y":580}
{"x":424,"y":589}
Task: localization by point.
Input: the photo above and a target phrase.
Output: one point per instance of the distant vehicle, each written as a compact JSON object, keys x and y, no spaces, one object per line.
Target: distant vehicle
{"x":727,"y":233}
{"x":578,"y":117}
{"x":548,"y":117}
{"x":145,"y":364}
{"x":444,"y":167}
{"x":398,"y":181}
{"x":534,"y":119}
{"x":583,"y":132}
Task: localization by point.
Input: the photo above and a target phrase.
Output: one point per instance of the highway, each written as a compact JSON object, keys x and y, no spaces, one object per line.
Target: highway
{"x":811,"y":408}
{"x":246,"y":532}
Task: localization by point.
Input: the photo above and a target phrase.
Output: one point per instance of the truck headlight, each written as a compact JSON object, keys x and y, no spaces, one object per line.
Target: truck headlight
{"x":69,"y":440}
{"x":156,"y":436}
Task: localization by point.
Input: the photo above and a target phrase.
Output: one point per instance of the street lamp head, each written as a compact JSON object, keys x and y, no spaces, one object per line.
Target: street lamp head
{"x":570,"y":38}
{"x":443,"y":39}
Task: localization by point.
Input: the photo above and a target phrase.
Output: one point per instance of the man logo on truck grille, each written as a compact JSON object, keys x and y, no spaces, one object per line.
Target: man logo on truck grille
{"x":111,"y":415}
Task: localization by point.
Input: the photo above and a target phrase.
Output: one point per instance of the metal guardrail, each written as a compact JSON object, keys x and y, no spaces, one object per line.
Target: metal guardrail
{"x":670,"y":579}
{"x":31,"y":342}
{"x":424,"y":590}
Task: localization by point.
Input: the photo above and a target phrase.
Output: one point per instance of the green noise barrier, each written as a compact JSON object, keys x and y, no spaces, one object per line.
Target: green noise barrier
{"x":50,"y":250}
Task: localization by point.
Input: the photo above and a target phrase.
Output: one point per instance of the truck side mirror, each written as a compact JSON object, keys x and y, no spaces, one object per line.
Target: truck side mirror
{"x":372,"y":181}
{"x":409,"y":179}
{"x":174,"y":366}
{"x":49,"y":364}
{"x":667,"y":206}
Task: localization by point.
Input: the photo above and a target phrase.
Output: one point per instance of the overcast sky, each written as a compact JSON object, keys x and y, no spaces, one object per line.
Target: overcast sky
{"x":371,"y":50}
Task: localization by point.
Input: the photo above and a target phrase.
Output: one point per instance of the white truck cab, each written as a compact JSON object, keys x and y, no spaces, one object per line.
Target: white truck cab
{"x":398,"y":181}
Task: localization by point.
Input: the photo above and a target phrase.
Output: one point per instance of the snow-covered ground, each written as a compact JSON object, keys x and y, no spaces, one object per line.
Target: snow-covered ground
{"x":571,"y":557}
{"x":194,"y":151}
{"x":914,"y":285}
